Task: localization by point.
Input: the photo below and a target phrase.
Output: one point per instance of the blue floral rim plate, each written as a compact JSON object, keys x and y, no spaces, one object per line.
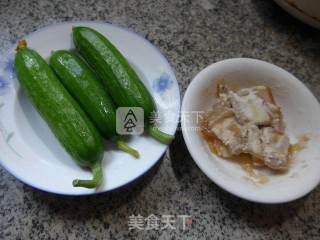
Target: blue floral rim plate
{"x":29,"y":150}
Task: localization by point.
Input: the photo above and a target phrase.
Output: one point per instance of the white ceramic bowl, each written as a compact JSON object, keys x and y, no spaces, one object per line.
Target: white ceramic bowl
{"x":307,"y":11}
{"x":301,"y":113}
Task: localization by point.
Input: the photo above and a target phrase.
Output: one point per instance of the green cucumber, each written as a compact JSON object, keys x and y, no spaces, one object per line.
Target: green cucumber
{"x":123,"y":84}
{"x":62,"y":113}
{"x":83,"y":85}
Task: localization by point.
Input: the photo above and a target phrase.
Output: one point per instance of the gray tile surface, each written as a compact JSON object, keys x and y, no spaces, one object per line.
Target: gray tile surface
{"x":192,"y":34}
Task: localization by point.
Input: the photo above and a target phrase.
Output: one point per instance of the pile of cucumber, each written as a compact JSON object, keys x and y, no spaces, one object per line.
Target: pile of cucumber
{"x":78,"y":92}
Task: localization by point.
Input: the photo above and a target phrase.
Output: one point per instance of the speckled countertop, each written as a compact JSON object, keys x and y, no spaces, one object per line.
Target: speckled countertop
{"x":192,"y":34}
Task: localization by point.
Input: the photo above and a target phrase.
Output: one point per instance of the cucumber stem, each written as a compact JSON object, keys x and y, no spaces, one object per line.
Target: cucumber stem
{"x":95,"y":182}
{"x":158,"y":135}
{"x":21,"y":44}
{"x":126,"y":148}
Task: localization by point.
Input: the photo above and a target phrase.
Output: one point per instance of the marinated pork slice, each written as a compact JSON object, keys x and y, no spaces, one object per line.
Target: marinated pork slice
{"x":215,"y":144}
{"x":219,"y":148}
{"x":275,"y":149}
{"x":223,"y":95}
{"x":273,"y":110}
{"x":250,"y":108}
{"x":277,"y":120}
{"x":251,"y":135}
{"x":261,"y":91}
{"x":222,"y":90}
{"x":229,"y":132}
{"x":220,"y":106}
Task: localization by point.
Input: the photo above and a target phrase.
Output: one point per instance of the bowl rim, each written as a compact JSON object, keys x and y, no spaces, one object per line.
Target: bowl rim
{"x":299,"y":13}
{"x":222,"y":183}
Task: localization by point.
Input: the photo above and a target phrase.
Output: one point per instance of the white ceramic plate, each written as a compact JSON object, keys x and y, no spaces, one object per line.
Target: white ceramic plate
{"x":307,"y":11}
{"x":301,"y":113}
{"x":29,"y":150}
